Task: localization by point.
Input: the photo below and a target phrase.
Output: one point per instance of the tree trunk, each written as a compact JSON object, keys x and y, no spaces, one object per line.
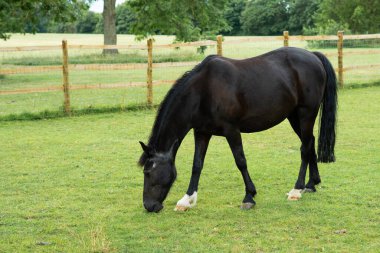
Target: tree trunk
{"x":109,"y":18}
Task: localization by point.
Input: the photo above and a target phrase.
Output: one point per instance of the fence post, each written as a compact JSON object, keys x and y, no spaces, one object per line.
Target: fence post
{"x":66,"y":85}
{"x":219,"y":47}
{"x":149,"y":72}
{"x":286,"y":38}
{"x":340,"y":58}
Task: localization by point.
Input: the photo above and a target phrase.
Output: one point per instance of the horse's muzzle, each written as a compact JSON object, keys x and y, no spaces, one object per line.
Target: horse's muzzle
{"x":153,"y":206}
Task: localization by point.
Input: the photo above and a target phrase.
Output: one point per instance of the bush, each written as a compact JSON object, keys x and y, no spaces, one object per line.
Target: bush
{"x":365,"y":43}
{"x":331,"y":28}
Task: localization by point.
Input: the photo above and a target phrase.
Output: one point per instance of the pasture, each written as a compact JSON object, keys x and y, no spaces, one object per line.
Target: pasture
{"x":111,"y":99}
{"x":72,"y":185}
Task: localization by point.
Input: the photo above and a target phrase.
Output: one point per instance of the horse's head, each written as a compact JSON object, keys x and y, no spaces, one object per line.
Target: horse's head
{"x":159,"y":176}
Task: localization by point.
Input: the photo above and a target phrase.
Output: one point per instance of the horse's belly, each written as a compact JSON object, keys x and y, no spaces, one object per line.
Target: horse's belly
{"x":263,"y":112}
{"x":257,"y":124}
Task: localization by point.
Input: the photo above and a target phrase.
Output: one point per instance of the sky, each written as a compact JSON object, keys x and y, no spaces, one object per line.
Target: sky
{"x":97,"y":6}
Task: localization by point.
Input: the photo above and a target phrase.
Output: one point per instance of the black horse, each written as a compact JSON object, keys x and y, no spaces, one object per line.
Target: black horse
{"x":226,"y":97}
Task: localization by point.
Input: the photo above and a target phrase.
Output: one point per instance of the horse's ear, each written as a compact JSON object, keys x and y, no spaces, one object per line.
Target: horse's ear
{"x":148,"y":152}
{"x":146,"y":149}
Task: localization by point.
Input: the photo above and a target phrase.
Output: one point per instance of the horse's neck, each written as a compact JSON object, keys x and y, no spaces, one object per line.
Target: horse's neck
{"x":174,"y":128}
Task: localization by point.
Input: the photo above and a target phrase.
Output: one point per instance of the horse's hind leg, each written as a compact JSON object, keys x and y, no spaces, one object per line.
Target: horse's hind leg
{"x":303,"y":127}
{"x":308,"y":141}
{"x":236,"y":145}
{"x":314,"y":177}
{"x":190,"y":198}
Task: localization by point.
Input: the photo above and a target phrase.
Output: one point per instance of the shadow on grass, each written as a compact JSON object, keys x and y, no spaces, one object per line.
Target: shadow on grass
{"x":362,"y":85}
{"x":47,"y":114}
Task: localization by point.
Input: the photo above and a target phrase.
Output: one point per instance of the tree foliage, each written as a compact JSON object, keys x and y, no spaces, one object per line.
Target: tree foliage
{"x":232,"y":14}
{"x":302,"y":15}
{"x":195,"y":19}
{"x":187,"y":20}
{"x":87,"y":22}
{"x":265,"y":17}
{"x":21,"y":15}
{"x":359,"y":16}
{"x":124,"y":18}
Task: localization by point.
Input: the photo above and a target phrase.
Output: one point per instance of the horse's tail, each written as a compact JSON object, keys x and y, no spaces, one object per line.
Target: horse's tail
{"x":328,"y":113}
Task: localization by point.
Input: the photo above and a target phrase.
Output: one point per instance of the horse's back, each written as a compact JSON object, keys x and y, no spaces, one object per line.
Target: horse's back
{"x":296,"y":70}
{"x":260,"y":92}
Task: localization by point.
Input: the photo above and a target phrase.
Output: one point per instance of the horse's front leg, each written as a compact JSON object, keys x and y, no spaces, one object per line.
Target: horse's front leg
{"x":236,"y":145}
{"x":190,"y":198}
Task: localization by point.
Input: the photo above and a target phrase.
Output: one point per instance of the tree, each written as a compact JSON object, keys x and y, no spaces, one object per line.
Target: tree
{"x":302,"y":15}
{"x":109,"y":19}
{"x":187,"y":20}
{"x":87,"y":22}
{"x":20,"y":16}
{"x":124,"y":18}
{"x":360,"y":16}
{"x":265,"y":17}
{"x":232,"y":14}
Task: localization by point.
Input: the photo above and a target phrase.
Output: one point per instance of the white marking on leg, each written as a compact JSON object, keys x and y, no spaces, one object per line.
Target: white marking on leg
{"x":193,"y":199}
{"x":295,"y":194}
{"x":186,"y":202}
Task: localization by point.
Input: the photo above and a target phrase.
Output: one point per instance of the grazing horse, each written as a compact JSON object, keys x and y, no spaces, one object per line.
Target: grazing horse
{"x":227,"y":97}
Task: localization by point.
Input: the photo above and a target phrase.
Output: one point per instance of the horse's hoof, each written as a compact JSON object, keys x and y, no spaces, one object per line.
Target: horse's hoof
{"x":181,"y":208}
{"x":309,"y":190}
{"x":295,"y":194}
{"x":247,"y":206}
{"x":186,"y":202}
{"x":294,"y":198}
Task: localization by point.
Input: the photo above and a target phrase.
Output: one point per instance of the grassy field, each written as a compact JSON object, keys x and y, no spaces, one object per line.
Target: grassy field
{"x":125,"y":97}
{"x":72,"y":185}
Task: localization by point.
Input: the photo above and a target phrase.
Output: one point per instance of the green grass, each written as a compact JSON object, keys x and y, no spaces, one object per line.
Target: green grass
{"x":72,"y":185}
{"x":74,"y":112}
{"x":49,"y":104}
{"x":98,"y":58}
{"x":54,"y":78}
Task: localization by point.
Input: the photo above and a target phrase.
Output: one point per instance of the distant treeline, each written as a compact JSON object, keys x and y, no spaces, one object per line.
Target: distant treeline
{"x":255,"y":17}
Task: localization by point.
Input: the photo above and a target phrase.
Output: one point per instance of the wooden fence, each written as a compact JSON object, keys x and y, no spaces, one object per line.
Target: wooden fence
{"x":150,"y":66}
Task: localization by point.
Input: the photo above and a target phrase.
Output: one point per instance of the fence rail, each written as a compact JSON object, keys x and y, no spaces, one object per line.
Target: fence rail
{"x":150,"y":65}
{"x":142,"y":47}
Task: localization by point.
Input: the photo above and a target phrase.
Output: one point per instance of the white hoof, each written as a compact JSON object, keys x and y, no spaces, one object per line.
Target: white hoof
{"x":295,"y":194}
{"x":186,"y":202}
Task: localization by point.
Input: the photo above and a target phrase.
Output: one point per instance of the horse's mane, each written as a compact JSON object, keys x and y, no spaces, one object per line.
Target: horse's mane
{"x":165,"y":105}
